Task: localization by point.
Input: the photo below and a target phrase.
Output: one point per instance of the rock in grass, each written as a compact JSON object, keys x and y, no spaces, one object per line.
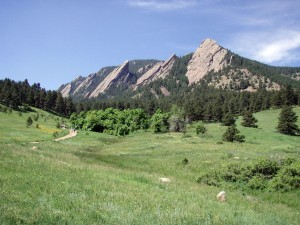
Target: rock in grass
{"x":221,"y":196}
{"x":164,"y":180}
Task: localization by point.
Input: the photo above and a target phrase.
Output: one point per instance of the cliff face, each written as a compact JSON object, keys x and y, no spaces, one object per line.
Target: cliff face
{"x":209,"y":56}
{"x":210,"y":64}
{"x":106,"y":78}
{"x":67,"y":89}
{"x":113,"y":78}
{"x":159,"y":70}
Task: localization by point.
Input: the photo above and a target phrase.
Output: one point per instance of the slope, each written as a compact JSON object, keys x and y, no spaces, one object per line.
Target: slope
{"x":97,"y":178}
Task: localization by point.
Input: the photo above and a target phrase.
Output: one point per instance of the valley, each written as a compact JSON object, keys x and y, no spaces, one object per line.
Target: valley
{"x":96,"y":178}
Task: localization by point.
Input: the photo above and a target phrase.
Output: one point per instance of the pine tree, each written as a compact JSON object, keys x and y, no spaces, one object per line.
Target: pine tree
{"x":29,"y":121}
{"x":287,"y":121}
{"x":228,"y":119}
{"x":232,"y":134}
{"x":249,"y":120}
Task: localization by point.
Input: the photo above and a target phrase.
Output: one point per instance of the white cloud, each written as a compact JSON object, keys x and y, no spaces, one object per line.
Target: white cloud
{"x":162,"y":5}
{"x":279,"y":50}
{"x":277,"y":47}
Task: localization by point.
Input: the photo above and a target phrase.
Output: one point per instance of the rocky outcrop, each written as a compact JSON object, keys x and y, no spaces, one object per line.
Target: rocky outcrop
{"x":65,"y":92}
{"x":159,"y":70}
{"x":164,"y":91}
{"x":209,"y":56}
{"x":118,"y":73}
{"x":68,"y":88}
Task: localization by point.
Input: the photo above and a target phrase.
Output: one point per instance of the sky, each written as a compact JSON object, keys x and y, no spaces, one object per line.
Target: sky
{"x":52,"y":42}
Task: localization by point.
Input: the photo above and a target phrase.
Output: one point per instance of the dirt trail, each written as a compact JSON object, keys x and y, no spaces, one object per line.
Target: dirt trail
{"x":72,"y":133}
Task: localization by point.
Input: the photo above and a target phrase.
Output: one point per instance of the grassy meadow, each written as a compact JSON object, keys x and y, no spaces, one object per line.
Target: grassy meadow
{"x":97,"y":178}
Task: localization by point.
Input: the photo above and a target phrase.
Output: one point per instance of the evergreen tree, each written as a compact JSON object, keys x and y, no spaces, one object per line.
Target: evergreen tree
{"x":232,"y":134}
{"x":287,"y":121}
{"x":288,"y":96}
{"x":228,"y":119}
{"x":249,"y":120}
{"x":29,"y":121}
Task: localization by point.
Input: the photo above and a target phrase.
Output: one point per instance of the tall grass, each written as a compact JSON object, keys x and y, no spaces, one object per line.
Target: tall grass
{"x":100,"y":179}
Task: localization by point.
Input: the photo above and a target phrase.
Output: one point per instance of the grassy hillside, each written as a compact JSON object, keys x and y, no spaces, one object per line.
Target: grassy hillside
{"x":100,"y":179}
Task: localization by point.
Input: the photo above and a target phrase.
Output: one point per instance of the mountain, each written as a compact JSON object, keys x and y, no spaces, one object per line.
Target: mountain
{"x":208,"y":57}
{"x":210,"y":64}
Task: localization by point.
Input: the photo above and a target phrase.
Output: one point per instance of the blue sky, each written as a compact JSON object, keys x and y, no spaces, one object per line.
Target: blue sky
{"x":54,"y":41}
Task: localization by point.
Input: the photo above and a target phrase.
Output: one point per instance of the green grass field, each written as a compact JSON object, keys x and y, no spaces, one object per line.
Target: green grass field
{"x":101,"y":179}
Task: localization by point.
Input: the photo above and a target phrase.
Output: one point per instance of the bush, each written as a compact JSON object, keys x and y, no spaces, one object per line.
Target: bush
{"x":159,"y":122}
{"x":249,"y":120}
{"x":212,"y":178}
{"x":287,"y":178}
{"x":123,"y":130}
{"x":257,"y":182}
{"x":261,"y":174}
{"x":185,"y":161}
{"x":232,"y":134}
{"x":200,"y":128}
{"x":36,"y":117}
{"x":29,"y":121}
{"x":228,"y":120}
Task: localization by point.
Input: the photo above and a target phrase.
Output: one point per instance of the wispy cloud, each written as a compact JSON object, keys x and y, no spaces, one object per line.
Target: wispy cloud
{"x":164,"y":5}
{"x":280,"y":47}
{"x":267,"y":31}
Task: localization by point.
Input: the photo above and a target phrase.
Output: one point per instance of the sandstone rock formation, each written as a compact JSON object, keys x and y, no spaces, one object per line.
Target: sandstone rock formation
{"x":68,"y":88}
{"x":209,"y":56}
{"x":113,"y":77}
{"x":160,"y":70}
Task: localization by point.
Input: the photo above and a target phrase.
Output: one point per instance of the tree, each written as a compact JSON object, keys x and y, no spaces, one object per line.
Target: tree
{"x":249,"y":120}
{"x":287,"y":121}
{"x":176,"y":119}
{"x":228,"y":119}
{"x":232,"y":134}
{"x":159,"y":122}
{"x":29,"y":121}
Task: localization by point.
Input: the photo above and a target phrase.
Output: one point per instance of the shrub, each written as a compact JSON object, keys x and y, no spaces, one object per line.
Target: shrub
{"x":264,"y":167}
{"x":55,"y":134}
{"x":249,"y":120}
{"x":185,"y":161}
{"x":29,"y":121}
{"x":200,"y":128}
{"x":159,"y":122}
{"x":123,"y":130}
{"x":259,"y":175}
{"x":257,"y":182}
{"x":232,"y":134}
{"x":228,"y":120}
{"x":212,"y":178}
{"x":287,"y":178}
{"x":36,"y":117}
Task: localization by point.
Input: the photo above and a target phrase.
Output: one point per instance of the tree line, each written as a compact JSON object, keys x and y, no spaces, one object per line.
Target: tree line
{"x":19,"y":95}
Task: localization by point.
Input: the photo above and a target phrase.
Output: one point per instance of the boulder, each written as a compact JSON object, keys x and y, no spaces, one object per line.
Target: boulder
{"x":221,"y":196}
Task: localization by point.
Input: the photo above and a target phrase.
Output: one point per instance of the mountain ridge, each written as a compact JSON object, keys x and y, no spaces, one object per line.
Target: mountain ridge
{"x":210,"y":63}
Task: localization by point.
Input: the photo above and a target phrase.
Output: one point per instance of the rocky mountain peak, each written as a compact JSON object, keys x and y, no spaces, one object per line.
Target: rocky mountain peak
{"x":118,"y":73}
{"x":209,"y":56}
{"x":159,"y":70}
